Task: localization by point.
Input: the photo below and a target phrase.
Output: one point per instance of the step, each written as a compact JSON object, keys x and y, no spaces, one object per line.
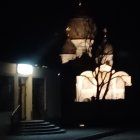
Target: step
{"x":38,"y":129}
{"x":42,"y":133}
{"x":36,"y":126}
{"x":33,"y":123}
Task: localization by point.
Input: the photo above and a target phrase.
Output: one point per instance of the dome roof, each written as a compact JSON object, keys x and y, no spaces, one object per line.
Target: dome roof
{"x":81,"y":28}
{"x":81,"y":25}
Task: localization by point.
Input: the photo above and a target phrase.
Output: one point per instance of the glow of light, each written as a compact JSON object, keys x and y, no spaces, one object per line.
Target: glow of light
{"x":25,"y":69}
{"x":81,"y":125}
{"x":80,"y":3}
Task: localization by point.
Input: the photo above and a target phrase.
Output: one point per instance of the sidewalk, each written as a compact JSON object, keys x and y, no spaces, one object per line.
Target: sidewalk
{"x":71,"y":134}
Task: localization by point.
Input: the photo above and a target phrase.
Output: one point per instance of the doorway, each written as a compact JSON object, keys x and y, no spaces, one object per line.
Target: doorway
{"x":38,"y":98}
{"x":6,"y":93}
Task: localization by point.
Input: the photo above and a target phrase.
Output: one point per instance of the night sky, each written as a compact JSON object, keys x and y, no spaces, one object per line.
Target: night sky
{"x":34,"y":30}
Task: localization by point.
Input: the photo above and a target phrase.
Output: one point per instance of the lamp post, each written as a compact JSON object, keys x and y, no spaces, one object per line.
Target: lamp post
{"x":25,"y":72}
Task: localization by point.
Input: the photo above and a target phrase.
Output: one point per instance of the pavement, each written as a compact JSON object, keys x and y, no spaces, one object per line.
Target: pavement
{"x":79,"y":133}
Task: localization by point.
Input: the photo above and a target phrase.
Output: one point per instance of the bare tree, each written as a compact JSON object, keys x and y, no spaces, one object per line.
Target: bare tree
{"x":104,"y":57}
{"x":104,"y":82}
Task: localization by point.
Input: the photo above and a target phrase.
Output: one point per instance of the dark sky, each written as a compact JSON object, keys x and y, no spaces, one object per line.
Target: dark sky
{"x":34,"y":29}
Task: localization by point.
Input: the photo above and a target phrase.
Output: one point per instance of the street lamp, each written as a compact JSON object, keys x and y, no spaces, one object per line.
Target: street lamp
{"x":25,"y":69}
{"x":25,"y":72}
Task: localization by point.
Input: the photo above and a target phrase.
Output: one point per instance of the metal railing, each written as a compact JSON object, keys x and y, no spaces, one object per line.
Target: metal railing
{"x":16,"y":116}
